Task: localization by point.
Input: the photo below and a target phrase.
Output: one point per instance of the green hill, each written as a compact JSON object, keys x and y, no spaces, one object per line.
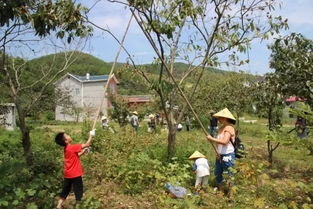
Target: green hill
{"x":83,"y":63}
{"x":130,"y":83}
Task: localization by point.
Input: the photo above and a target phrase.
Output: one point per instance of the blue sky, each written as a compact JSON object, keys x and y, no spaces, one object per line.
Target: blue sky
{"x":114,"y":17}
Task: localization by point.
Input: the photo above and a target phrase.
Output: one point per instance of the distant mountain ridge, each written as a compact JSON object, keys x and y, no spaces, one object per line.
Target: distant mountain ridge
{"x":96,"y":66}
{"x":129,"y":83}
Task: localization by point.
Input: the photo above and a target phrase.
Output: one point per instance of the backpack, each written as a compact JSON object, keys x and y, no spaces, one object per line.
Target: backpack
{"x":239,"y":147}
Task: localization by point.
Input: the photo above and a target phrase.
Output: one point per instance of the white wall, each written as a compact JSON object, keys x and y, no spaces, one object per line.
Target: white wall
{"x":9,"y":118}
{"x":86,"y":95}
{"x":74,"y":88}
{"x":93,"y":93}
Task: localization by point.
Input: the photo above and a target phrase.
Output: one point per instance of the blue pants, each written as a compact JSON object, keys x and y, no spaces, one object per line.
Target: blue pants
{"x":223,"y":165}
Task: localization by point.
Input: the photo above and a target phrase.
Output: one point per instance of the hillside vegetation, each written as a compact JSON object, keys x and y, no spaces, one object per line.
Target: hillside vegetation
{"x":130,"y":82}
{"x":83,"y":63}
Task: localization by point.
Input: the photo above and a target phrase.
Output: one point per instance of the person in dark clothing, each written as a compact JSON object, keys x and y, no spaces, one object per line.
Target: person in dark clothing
{"x":213,"y":125}
{"x":301,"y":127}
{"x":187,"y":123}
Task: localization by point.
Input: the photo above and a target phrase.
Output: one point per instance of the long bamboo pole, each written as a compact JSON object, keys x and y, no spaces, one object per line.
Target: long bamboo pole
{"x":111,"y":73}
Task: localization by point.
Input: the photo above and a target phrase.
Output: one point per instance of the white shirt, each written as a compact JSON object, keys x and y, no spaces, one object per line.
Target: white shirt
{"x":134,"y":120}
{"x":224,"y":149}
{"x":203,"y":168}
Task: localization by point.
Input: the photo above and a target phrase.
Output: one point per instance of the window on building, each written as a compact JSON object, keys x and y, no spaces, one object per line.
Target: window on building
{"x":77,"y":91}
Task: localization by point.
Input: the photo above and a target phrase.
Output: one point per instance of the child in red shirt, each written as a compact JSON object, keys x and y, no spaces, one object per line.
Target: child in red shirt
{"x":73,"y":170}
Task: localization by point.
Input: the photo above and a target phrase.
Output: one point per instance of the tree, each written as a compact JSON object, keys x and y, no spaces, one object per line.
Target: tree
{"x":38,"y":19}
{"x":230,"y":89}
{"x":214,"y":27}
{"x":69,"y":107}
{"x":119,"y":111}
{"x":292,"y":58}
{"x":269,"y":101}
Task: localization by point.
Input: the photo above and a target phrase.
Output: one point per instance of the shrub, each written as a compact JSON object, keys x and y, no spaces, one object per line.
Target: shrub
{"x":141,"y":172}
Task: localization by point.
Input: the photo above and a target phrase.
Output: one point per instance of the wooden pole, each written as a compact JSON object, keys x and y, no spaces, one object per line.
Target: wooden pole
{"x":111,"y":74}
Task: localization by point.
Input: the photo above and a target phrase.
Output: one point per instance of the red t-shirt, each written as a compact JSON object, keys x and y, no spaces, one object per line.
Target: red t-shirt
{"x":72,"y":165}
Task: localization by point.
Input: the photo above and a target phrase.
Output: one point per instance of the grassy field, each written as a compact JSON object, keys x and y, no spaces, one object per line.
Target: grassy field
{"x":125,"y":170}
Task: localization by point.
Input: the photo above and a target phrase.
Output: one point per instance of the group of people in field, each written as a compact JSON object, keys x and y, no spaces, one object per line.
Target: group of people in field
{"x":222,"y":137}
{"x":155,"y":119}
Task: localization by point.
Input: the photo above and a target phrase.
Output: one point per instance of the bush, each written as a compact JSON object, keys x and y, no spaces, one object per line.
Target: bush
{"x":28,"y":187}
{"x":142,"y":172}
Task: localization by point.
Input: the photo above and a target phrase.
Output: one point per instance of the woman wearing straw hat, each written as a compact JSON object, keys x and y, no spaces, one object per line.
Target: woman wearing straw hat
{"x":201,"y":167}
{"x":224,"y":146}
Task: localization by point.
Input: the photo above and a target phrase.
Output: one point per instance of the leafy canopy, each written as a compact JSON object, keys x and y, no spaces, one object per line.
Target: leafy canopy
{"x":63,"y":16}
{"x":292,"y":58}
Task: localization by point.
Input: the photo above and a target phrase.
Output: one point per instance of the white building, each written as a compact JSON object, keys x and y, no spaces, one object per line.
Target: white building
{"x":86,"y":93}
{"x":8,"y":116}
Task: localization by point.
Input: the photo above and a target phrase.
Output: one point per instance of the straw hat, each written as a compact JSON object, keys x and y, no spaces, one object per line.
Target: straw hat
{"x":225,"y":113}
{"x":135,"y":112}
{"x":211,"y":111}
{"x":103,"y":118}
{"x":196,"y":155}
{"x":151,"y":116}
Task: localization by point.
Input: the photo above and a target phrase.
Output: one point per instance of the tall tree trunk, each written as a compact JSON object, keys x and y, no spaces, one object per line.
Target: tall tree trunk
{"x":270,"y":125}
{"x":270,"y":152}
{"x":237,"y":121}
{"x":171,"y":137}
{"x":25,"y":134}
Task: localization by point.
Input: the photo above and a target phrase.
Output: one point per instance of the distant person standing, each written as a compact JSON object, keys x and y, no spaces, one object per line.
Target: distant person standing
{"x":134,"y":121}
{"x":152,"y":123}
{"x":157,"y":118}
{"x":179,"y":127}
{"x":301,"y":127}
{"x":187,"y":123}
{"x":213,"y":124}
{"x":105,"y":122}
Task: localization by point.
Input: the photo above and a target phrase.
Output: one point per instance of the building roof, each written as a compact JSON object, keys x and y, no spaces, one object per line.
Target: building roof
{"x":90,"y":78}
{"x":138,"y":98}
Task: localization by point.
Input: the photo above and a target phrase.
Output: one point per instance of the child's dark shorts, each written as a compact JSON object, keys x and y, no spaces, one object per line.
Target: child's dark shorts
{"x":77,"y":184}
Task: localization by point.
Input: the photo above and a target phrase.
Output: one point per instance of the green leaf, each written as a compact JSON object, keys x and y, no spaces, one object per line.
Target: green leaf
{"x":15,"y":202}
{"x":4,"y":203}
{"x":32,"y":206}
{"x":30,"y":192}
{"x":282,"y":206}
